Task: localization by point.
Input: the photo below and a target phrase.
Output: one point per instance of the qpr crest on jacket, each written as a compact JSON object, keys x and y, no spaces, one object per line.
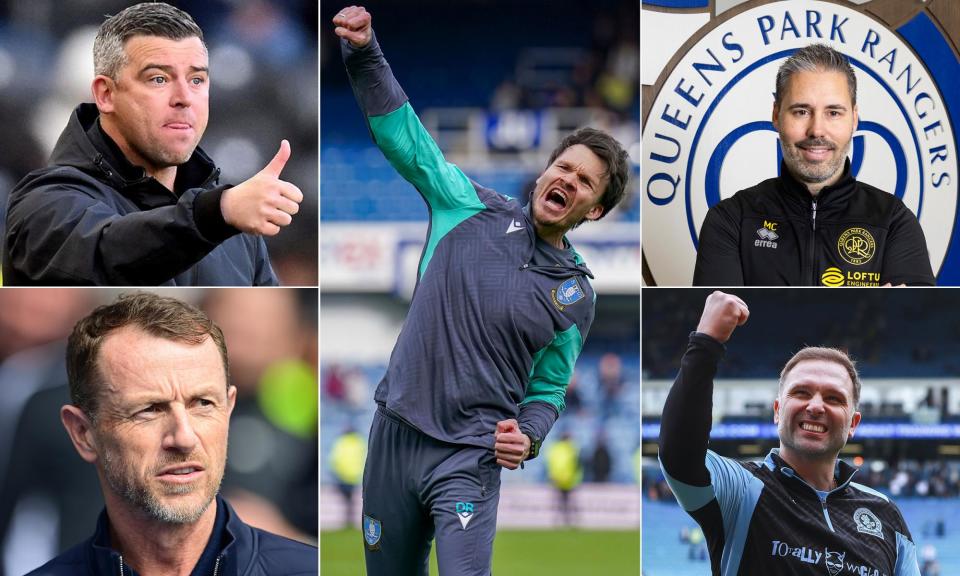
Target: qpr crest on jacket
{"x":709,"y":134}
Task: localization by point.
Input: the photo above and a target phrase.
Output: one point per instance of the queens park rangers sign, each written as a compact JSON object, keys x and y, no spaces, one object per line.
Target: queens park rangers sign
{"x":709,"y":133}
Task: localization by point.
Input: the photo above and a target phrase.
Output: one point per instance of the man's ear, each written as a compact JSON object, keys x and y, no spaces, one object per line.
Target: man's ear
{"x":231,"y":399}
{"x":80,"y":429}
{"x":103,"y":89}
{"x":776,"y":122}
{"x":854,"y":422}
{"x":595,"y":213}
{"x":776,"y":411}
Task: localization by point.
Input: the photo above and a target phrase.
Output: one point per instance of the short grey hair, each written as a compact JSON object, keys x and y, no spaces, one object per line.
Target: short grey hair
{"x":815,"y":58}
{"x":146,"y":19}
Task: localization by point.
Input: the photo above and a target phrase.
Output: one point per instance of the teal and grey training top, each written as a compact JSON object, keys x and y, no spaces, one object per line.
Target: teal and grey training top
{"x":498,"y":315}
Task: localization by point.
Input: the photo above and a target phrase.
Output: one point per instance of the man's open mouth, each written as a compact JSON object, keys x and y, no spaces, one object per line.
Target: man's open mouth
{"x":811,"y":427}
{"x":556,"y":198}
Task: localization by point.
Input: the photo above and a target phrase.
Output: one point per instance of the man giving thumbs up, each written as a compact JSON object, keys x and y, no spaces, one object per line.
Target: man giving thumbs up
{"x":128,"y":198}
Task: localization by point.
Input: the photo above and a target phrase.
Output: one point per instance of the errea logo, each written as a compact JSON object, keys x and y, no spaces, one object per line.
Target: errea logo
{"x":768,"y":235}
{"x":708,"y":133}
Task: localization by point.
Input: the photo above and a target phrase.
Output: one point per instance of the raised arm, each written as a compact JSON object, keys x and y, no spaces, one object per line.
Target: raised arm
{"x":687,"y":413}
{"x":393,"y":124}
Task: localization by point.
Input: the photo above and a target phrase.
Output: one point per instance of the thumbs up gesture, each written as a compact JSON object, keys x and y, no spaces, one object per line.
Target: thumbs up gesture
{"x":264,"y":203}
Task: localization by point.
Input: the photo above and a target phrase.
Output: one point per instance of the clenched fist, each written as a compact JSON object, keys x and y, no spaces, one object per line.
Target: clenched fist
{"x":512,"y":446}
{"x":353,"y":24}
{"x":722,"y":313}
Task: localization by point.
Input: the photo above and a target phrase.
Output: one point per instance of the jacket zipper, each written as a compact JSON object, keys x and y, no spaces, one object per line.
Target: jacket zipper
{"x":826,"y":514}
{"x":813,"y":245}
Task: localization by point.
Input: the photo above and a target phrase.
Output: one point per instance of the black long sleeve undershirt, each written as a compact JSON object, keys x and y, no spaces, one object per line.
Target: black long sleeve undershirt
{"x":688,"y":412}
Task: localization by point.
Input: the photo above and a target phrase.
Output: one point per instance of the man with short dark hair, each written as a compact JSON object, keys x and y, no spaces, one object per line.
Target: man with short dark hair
{"x":814,"y":224}
{"x":502,"y":307}
{"x":128,"y":198}
{"x":151,"y":408}
{"x":797,"y":512}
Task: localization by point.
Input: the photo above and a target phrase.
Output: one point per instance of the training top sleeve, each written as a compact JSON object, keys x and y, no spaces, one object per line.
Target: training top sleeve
{"x":907,"y":564}
{"x":399,"y":134}
{"x":718,"y":251}
{"x":687,"y":413}
{"x":551,"y":373}
{"x":906,"y":260}
{"x":696,"y":475}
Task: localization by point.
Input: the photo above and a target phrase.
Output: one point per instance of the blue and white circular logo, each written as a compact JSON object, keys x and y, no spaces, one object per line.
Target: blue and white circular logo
{"x":709,"y":132}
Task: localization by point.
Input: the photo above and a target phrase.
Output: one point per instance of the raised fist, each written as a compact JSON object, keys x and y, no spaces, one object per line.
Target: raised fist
{"x":722,"y":313}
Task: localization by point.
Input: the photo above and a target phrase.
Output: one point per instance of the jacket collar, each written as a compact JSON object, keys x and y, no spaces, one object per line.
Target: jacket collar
{"x":233,"y":538}
{"x":842,"y":472}
{"x":549,"y":260}
{"x":85,"y":146}
{"x":838,"y":192}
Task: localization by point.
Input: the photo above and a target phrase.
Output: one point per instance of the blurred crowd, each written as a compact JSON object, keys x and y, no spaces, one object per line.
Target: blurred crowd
{"x":904,"y":479}
{"x":593,"y":441}
{"x":889,"y":334}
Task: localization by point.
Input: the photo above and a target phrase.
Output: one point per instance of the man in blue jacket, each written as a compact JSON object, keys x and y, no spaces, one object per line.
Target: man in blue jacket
{"x":501,"y":309}
{"x":128,"y":198}
{"x":151,"y":409}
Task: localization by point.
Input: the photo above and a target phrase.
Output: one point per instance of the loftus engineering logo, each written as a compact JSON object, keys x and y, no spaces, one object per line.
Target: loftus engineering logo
{"x":708,"y":133}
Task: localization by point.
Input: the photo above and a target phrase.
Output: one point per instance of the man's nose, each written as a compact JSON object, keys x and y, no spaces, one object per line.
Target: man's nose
{"x":181,"y":95}
{"x":180,"y":434}
{"x":815,"y":405}
{"x":816,"y":127}
{"x":569,"y":180}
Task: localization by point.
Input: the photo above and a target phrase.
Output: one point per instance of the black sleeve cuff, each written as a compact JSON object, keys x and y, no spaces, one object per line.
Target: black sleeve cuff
{"x":208,"y":216}
{"x":536,"y":419}
{"x":712,"y":345}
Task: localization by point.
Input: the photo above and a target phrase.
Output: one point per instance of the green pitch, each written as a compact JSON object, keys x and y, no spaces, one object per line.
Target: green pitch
{"x":515,"y":553}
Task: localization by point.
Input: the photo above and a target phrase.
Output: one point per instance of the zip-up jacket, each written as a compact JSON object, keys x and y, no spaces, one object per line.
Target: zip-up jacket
{"x":777,"y":234}
{"x":498,"y":316}
{"x":234,"y":549}
{"x":92,"y":218}
{"x":762,"y":517}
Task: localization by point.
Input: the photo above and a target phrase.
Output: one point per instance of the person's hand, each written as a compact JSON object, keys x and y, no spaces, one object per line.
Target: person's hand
{"x":511,"y":445}
{"x":722,"y":313}
{"x":353,"y":24}
{"x":264,"y":203}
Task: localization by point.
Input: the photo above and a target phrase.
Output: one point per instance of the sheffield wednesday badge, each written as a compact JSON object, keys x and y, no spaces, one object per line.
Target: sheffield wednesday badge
{"x":569,"y":292}
{"x":372,"y":530}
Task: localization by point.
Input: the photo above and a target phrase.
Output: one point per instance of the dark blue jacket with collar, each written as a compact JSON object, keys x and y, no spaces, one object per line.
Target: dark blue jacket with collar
{"x":244,"y":551}
{"x":92,"y":218}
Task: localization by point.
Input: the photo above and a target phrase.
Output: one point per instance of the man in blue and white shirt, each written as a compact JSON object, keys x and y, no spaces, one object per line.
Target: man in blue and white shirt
{"x":797,"y":512}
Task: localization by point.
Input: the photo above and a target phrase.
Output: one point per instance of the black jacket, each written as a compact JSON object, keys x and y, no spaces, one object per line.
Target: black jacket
{"x":92,"y":218}
{"x":777,"y":234}
{"x":762,"y":517}
{"x":242,"y":551}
